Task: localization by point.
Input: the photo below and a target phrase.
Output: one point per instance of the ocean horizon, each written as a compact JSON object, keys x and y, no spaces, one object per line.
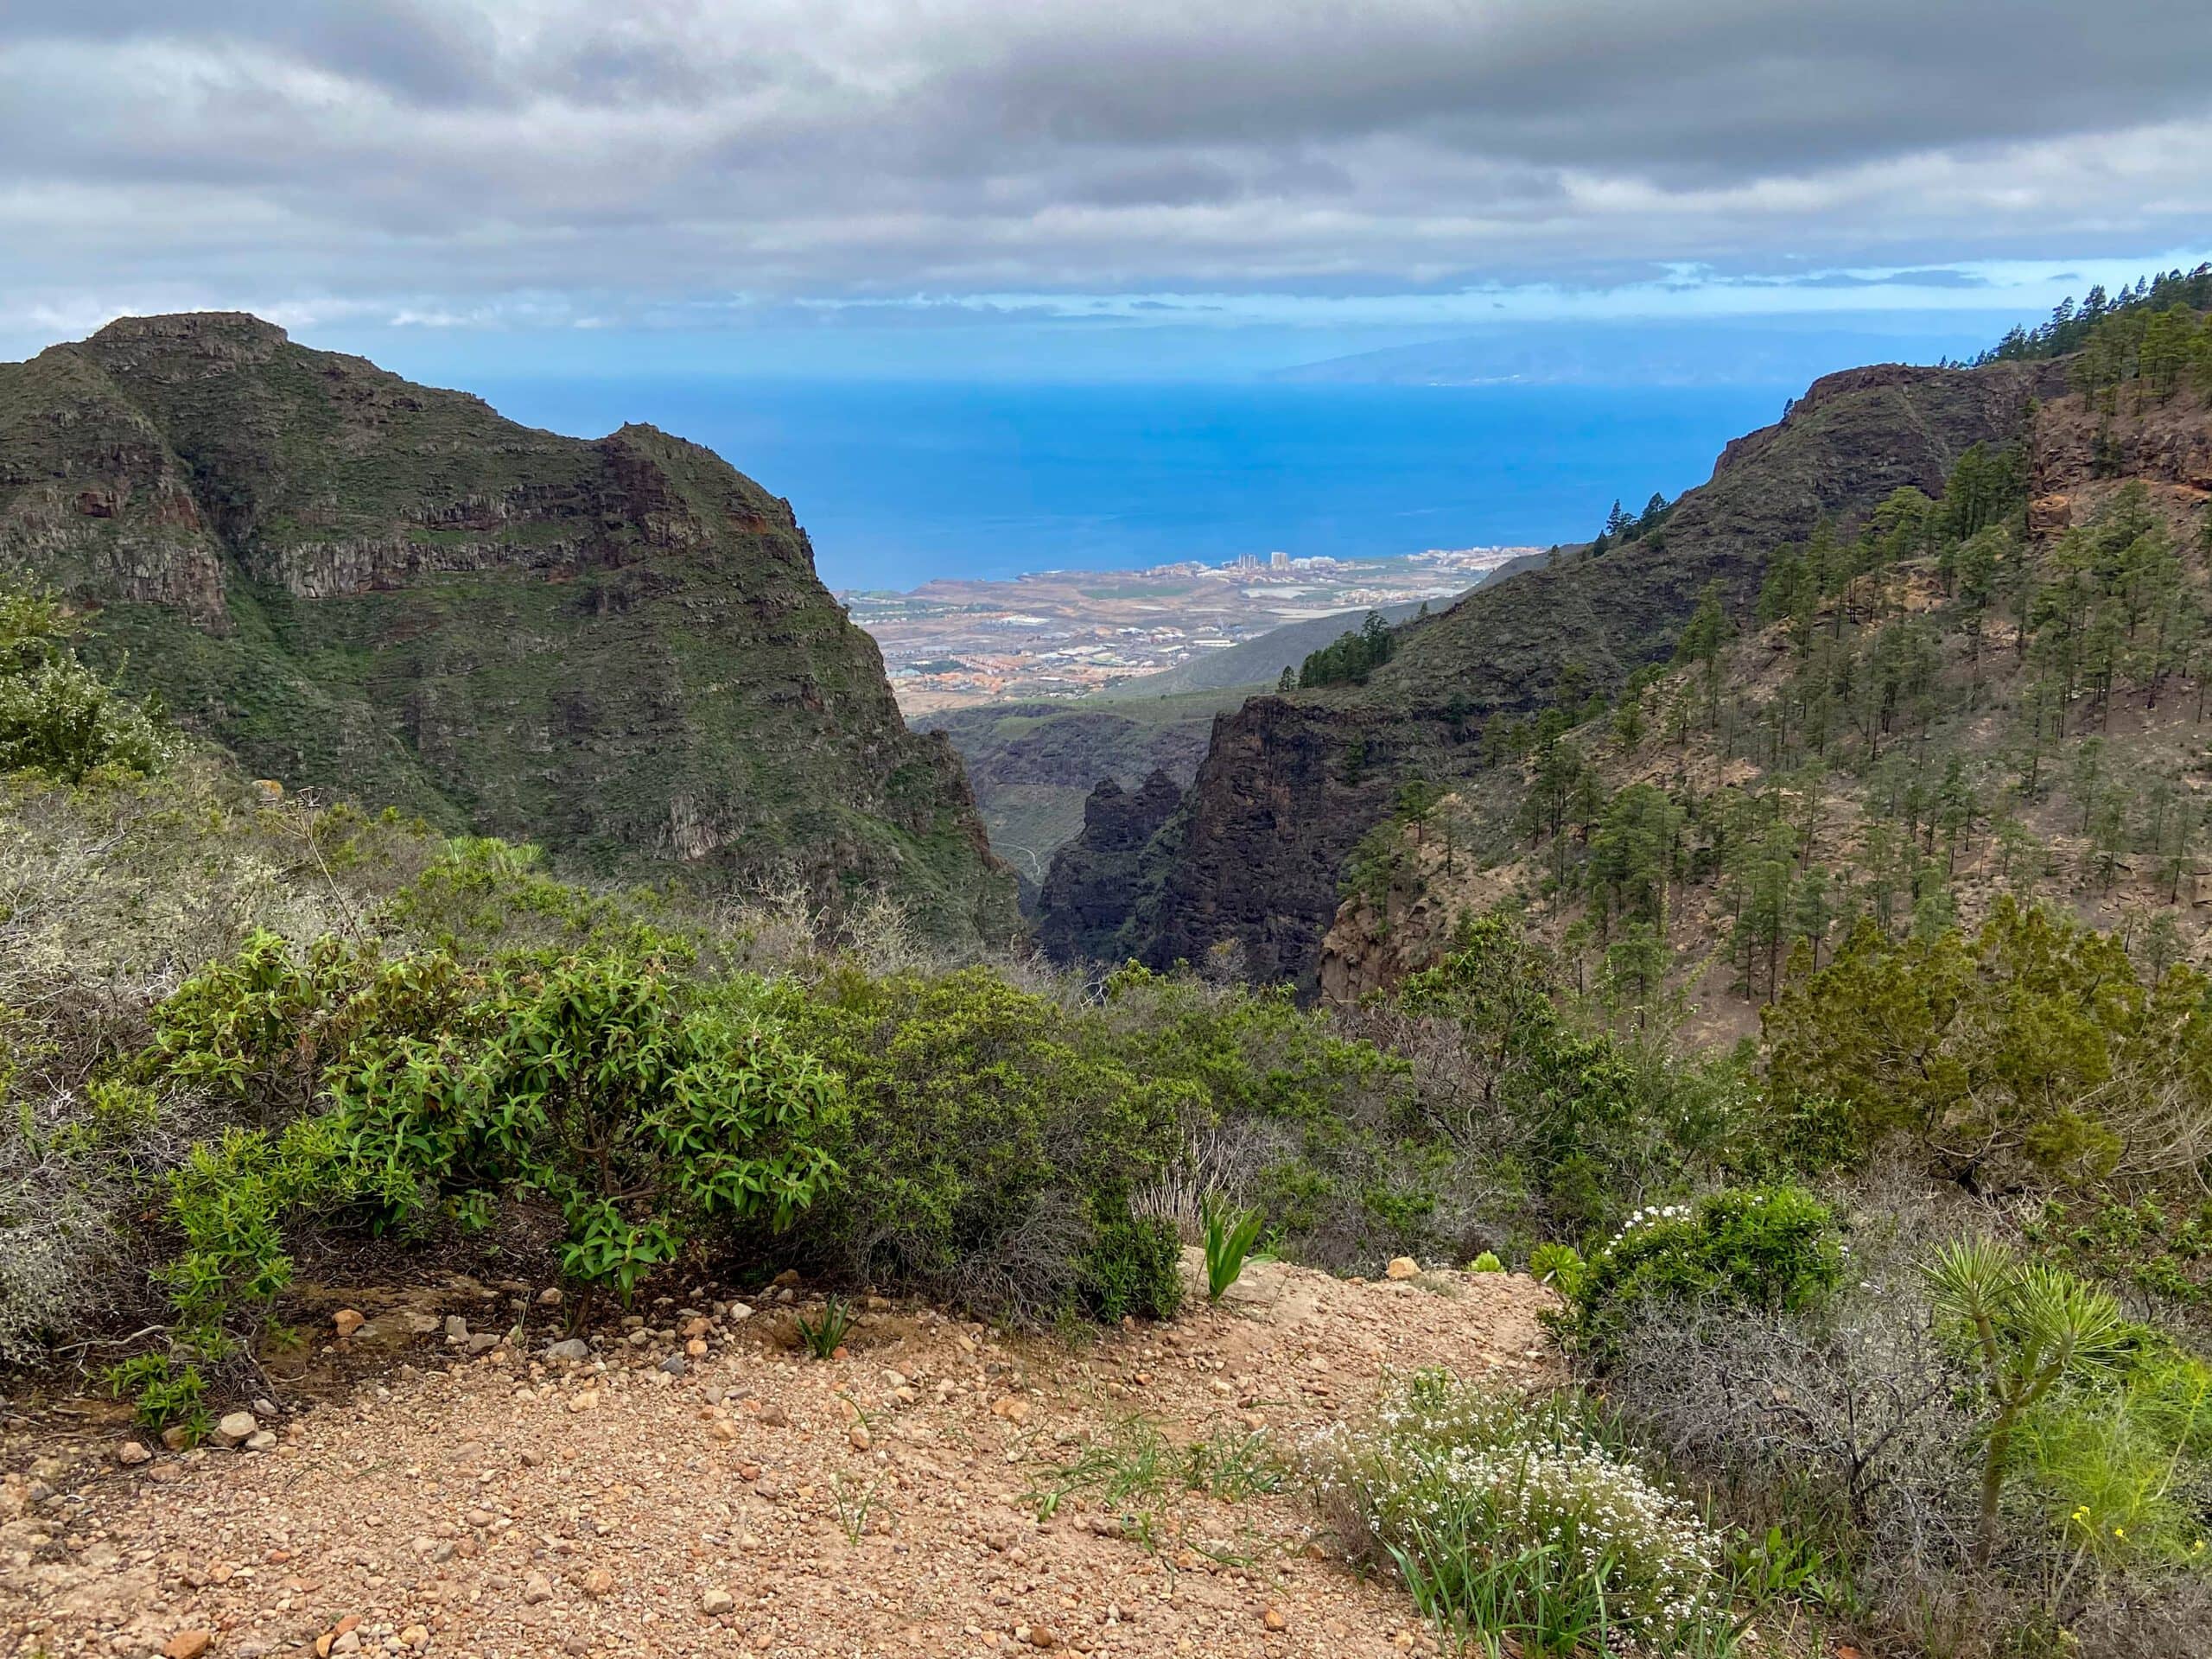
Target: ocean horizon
{"x":899,"y":482}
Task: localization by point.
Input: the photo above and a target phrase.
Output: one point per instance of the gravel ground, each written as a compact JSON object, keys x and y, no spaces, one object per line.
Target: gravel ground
{"x":885,"y":1503}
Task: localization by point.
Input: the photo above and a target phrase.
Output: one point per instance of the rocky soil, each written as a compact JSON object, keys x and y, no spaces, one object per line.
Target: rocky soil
{"x":697,"y":1484}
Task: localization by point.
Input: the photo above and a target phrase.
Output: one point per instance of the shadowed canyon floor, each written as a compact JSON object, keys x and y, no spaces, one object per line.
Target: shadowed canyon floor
{"x":700,"y":1486}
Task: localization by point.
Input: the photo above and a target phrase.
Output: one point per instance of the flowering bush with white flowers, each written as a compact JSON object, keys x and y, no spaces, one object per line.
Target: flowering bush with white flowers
{"x":1774,"y":1249}
{"x":1513,"y":1518}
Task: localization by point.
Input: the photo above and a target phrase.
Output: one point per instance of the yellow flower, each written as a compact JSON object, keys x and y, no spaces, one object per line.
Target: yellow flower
{"x":2120,"y":1532}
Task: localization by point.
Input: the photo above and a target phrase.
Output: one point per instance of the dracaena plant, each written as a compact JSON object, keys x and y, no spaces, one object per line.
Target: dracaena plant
{"x":2028,"y":1328}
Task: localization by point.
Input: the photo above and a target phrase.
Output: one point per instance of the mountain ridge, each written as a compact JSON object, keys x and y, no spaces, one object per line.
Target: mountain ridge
{"x":618,"y":647}
{"x":1291,"y":782}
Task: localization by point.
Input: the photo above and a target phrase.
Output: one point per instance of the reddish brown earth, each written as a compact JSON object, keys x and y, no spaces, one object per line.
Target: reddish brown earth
{"x":762,"y":1502}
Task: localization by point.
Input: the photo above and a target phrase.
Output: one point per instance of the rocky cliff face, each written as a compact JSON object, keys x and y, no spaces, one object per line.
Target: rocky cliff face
{"x":1034,"y":765}
{"x":1093,"y":886}
{"x":1290,"y":783}
{"x":618,"y":648}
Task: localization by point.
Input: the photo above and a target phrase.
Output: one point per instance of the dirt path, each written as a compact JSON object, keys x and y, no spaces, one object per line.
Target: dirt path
{"x":763,"y":1502}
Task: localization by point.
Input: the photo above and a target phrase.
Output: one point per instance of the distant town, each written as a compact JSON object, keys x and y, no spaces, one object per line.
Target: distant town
{"x":1066,"y":633}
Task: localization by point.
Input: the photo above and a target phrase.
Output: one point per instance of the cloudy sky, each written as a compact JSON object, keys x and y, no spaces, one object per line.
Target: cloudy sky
{"x":842,"y":184}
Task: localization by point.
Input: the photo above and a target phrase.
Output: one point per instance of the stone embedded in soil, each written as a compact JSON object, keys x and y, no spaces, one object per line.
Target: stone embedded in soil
{"x":131,"y":1454}
{"x":236,"y":1428}
{"x":573,"y":1348}
{"x":188,"y":1644}
{"x":1403,"y":1267}
{"x":345,"y":1321}
{"x":715,"y":1602}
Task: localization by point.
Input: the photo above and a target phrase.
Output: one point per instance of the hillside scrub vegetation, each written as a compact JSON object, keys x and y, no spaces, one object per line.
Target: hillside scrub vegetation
{"x":322,"y":1033}
{"x":1887,"y":1319}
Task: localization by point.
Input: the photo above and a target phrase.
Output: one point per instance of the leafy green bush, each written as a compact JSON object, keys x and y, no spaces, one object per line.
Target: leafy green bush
{"x":1486,"y":1262}
{"x":1772,"y":1247}
{"x":2032,"y":1050}
{"x":481,"y":894}
{"x":1555,"y":1264}
{"x":2122,"y":1471}
{"x":1520,"y":1523}
{"x":262,"y":1028}
{"x":1572,"y":1119}
{"x":642,"y":1109}
{"x":230,"y":1201}
{"x":994,"y":1143}
{"x":57,"y":717}
{"x":1134,"y":1270}
{"x":164,"y":1396}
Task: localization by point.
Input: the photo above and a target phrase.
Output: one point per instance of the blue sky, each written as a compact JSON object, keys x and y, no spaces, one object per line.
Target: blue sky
{"x":1715,"y":189}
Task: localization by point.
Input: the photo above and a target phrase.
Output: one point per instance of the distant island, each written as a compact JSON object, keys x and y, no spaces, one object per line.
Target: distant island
{"x":951,"y":644}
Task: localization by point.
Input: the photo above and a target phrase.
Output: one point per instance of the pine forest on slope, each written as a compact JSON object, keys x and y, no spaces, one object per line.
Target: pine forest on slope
{"x":1871,"y":489}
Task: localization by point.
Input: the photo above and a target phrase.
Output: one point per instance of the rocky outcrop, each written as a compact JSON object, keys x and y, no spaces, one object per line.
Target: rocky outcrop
{"x":1291,"y":783}
{"x":2085,"y":449}
{"x":1092,"y":886}
{"x":1034,"y":765}
{"x":619,"y":648}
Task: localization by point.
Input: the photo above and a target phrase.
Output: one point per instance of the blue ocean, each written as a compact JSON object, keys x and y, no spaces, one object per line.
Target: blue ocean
{"x":901,"y":481}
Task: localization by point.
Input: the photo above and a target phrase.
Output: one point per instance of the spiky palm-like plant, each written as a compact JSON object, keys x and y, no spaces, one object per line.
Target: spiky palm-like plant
{"x":2030,"y":1327}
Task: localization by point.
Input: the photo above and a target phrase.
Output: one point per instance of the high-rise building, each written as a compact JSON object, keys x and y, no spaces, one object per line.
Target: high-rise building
{"x":1279,"y":560}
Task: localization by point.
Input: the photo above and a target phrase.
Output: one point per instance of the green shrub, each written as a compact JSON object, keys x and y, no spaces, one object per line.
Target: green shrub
{"x":1558,"y":1265}
{"x":57,"y":717}
{"x":481,"y":894}
{"x":643,"y":1110}
{"x":993,"y":1142}
{"x":1519,"y":1523}
{"x":2033,"y":1050}
{"x":1486,"y":1262}
{"x":1569,"y":1119}
{"x":1283,"y":1109}
{"x":262,"y":1028}
{"x":163,"y":1395}
{"x":2121,"y":1471}
{"x":1776,"y":1248}
{"x":1134,"y":1269}
{"x":230,"y":1201}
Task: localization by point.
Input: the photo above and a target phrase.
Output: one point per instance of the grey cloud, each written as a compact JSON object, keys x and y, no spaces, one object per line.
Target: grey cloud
{"x":662,"y":148}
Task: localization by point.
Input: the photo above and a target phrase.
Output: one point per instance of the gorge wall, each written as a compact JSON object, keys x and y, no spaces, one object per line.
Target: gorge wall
{"x":618,"y":648}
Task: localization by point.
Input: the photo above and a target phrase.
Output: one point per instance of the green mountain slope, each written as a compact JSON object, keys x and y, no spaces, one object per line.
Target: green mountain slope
{"x":2000,"y":693}
{"x":619,"y":648}
{"x":1255,"y":856}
